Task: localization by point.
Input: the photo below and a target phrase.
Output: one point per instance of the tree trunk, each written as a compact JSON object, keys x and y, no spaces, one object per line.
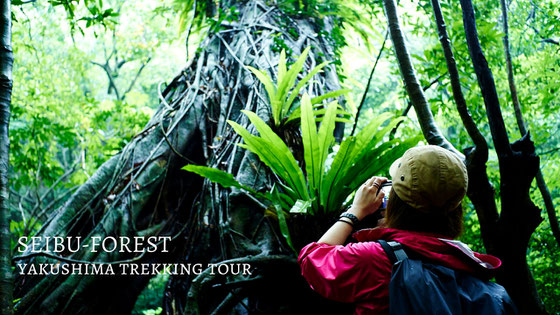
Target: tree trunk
{"x":547,"y":198}
{"x":505,"y":235}
{"x":142,"y":191}
{"x":480,"y":190}
{"x":413,"y":88}
{"x":6,"y":61}
{"x":518,"y":167}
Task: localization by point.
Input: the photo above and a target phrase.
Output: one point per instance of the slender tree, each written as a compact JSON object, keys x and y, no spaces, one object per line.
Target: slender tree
{"x":549,"y":205}
{"x":415,"y":92}
{"x":6,"y":61}
{"x":519,"y":217}
{"x":506,"y":234}
{"x":480,"y":192}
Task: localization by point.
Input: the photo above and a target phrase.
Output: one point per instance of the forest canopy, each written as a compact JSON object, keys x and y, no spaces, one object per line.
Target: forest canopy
{"x":112,"y":101}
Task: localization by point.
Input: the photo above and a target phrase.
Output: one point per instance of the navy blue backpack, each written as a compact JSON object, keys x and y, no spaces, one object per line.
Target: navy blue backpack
{"x":418,"y":287}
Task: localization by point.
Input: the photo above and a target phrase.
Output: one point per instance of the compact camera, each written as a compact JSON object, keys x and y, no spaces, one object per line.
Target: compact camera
{"x":372,"y":221}
{"x":386,"y":187}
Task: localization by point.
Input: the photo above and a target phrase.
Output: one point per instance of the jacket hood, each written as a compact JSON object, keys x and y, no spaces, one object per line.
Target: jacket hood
{"x":435,"y":249}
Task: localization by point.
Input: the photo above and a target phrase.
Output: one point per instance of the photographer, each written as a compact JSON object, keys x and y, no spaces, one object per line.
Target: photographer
{"x":424,"y":214}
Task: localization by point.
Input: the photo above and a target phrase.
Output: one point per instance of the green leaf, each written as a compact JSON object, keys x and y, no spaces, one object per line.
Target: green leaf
{"x":300,"y":85}
{"x":284,"y":200}
{"x":289,"y":193}
{"x":328,"y":189}
{"x":290,"y":79}
{"x":301,"y":206}
{"x":359,"y":158}
{"x":311,"y":148}
{"x":217,"y":176}
{"x":284,"y":226}
{"x":368,"y":141}
{"x":342,"y":120}
{"x":296,"y":114}
{"x":363,"y":168}
{"x":369,"y":131}
{"x":325,"y":138}
{"x":275,"y":155}
{"x":367,"y":137}
{"x":320,"y":112}
{"x":337,"y":93}
{"x":264,"y":130}
{"x":282,"y":66}
{"x":384,"y":158}
{"x":270,"y":90}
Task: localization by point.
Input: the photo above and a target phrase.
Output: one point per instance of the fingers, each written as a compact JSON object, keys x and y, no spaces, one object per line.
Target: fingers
{"x":369,"y":196}
{"x":379,"y":181}
{"x":370,"y":181}
{"x":375,"y":182}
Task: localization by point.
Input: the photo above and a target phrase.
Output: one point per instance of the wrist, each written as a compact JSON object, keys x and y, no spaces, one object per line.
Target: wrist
{"x":347,"y":221}
{"x":358,"y":212}
{"x":350,"y":216}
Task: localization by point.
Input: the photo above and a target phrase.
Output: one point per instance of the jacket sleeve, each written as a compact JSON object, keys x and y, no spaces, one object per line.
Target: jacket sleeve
{"x":357,"y":271}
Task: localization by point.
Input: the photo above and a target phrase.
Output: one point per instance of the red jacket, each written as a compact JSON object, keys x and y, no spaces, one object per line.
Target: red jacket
{"x":360,"y":272}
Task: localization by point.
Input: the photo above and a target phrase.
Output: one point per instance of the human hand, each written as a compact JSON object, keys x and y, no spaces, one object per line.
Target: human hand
{"x":368,"y":198}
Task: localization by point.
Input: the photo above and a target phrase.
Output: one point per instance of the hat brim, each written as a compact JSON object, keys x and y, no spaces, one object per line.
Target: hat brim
{"x":394,"y":167}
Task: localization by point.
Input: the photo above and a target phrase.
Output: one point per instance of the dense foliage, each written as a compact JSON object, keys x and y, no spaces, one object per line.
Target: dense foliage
{"x":66,"y":119}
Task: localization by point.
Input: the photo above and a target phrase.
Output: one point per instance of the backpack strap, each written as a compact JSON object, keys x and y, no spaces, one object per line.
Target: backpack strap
{"x":394,"y":250}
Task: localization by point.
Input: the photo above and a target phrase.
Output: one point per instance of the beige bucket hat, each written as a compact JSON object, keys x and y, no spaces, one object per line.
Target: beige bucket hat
{"x":430,"y":179}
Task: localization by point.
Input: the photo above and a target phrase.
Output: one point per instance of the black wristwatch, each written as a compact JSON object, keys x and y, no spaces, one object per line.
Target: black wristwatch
{"x":350,"y":216}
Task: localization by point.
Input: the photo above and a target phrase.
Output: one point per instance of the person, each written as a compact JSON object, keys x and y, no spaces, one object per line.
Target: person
{"x":424,"y":213}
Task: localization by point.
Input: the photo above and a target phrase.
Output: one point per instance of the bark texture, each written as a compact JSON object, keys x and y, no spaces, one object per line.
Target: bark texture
{"x":480,"y":190}
{"x":547,"y":198}
{"x":518,"y":167}
{"x":6,"y":61}
{"x":415,"y":92}
{"x":505,"y":235}
{"x":142,"y":191}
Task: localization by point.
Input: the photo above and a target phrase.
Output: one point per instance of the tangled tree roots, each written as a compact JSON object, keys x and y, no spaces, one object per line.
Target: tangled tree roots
{"x":142,"y":191}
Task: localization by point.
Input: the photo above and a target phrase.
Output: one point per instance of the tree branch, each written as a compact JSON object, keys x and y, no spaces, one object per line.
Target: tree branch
{"x":544,"y":39}
{"x":509,"y":66}
{"x":131,"y":85}
{"x":486,"y":82}
{"x":45,"y":210}
{"x":189,"y":28}
{"x":550,"y":151}
{"x":364,"y":96}
{"x":480,"y":189}
{"x":112,"y":85}
{"x":549,"y":205}
{"x":51,"y":188}
{"x":458,"y":96}
{"x":550,"y":41}
{"x":409,"y":106}
{"x":427,"y":123}
{"x":119,"y":64}
{"x":518,"y":167}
